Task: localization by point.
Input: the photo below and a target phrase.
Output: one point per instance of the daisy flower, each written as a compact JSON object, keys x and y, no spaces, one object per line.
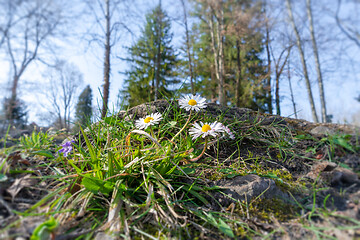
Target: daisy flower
{"x":192,"y":102}
{"x":149,"y":120}
{"x":206,"y":129}
{"x":228,"y":131}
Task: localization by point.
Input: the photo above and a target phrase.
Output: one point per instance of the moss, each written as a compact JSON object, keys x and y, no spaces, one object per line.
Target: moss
{"x":265,"y":210}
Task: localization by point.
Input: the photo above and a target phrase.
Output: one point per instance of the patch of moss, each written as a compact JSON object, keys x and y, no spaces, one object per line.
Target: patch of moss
{"x":265,"y":210}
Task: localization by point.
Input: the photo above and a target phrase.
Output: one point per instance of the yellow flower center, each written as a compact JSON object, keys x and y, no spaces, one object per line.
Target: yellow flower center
{"x":148,"y":119}
{"x":205,"y":128}
{"x":192,"y":102}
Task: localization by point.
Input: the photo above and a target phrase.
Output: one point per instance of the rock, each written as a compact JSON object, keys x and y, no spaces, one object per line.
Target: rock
{"x":331,"y":173}
{"x":322,"y":130}
{"x":246,"y":188}
{"x":343,"y":176}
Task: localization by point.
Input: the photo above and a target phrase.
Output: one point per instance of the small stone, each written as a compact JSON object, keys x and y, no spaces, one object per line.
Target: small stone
{"x":245,"y":188}
{"x":322,"y":130}
{"x":344,"y":176}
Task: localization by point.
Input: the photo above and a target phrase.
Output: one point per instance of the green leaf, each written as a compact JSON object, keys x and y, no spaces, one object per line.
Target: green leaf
{"x":225,"y":228}
{"x":111,"y":164}
{"x":232,"y":175}
{"x":44,"y":230}
{"x":196,"y":194}
{"x":344,"y":165}
{"x":344,"y":143}
{"x":95,"y":185}
{"x":78,"y":170}
{"x":110,"y":120}
{"x":189,"y":171}
{"x":91,"y":184}
{"x":44,"y":153}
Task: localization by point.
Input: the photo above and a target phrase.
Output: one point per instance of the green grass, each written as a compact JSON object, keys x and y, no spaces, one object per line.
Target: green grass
{"x":142,"y":184}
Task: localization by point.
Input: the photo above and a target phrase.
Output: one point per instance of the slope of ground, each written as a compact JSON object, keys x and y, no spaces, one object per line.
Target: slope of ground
{"x":278,"y":178}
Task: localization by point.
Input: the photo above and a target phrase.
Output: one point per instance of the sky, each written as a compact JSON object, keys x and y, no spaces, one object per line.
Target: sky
{"x":342,"y":76}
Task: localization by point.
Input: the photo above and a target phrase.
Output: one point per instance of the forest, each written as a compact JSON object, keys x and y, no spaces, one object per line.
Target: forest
{"x":288,"y":58}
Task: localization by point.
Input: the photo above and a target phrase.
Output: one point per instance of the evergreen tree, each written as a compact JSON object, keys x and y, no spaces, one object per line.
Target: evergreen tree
{"x":244,"y":71}
{"x":84,"y":107}
{"x":154,"y":61}
{"x":18,"y":114}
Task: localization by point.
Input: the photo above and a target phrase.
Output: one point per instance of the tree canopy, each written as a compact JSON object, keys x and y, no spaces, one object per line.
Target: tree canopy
{"x":153,"y":61}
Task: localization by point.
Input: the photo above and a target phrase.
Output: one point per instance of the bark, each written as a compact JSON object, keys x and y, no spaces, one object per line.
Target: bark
{"x":277,"y":96}
{"x":238,"y":79}
{"x":291,"y":91}
{"x":106,"y":86}
{"x":279,"y":68}
{"x":268,"y":80}
{"x":158,"y":54}
{"x":217,"y":45}
{"x":220,"y":39}
{"x":188,"y":47}
{"x":303,"y":63}
{"x":317,"y":62}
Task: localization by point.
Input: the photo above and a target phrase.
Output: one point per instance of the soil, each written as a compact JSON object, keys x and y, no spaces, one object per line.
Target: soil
{"x":269,"y":181}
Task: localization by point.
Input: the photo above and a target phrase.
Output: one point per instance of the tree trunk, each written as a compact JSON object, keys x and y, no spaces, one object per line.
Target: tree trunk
{"x":238,"y":79}
{"x":106,"y":87}
{"x":158,"y":54}
{"x":220,"y":39}
{"x":188,"y":49}
{"x":291,"y":91}
{"x":303,"y":62}
{"x":279,"y":68}
{"x":317,"y":62}
{"x":213,"y":47}
{"x":277,"y":94}
{"x":268,"y":79}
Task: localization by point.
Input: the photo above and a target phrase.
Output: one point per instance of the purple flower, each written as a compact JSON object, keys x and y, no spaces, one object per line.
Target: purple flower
{"x":66,"y":148}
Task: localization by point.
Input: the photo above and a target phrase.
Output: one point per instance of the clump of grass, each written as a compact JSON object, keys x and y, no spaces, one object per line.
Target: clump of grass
{"x":149,"y":183}
{"x":122,"y":179}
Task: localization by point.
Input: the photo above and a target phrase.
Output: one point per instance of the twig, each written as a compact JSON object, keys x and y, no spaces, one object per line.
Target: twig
{"x":6,"y":205}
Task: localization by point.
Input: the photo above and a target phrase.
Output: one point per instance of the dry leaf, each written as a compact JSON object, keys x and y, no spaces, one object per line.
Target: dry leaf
{"x":20,"y":183}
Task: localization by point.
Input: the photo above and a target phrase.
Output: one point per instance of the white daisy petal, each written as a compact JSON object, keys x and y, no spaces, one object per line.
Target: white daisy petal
{"x":152,"y":119}
{"x":226,"y":131}
{"x":192,"y":102}
{"x":205,"y":129}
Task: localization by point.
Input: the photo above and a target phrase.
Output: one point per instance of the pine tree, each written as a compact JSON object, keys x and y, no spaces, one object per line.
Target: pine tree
{"x":244,"y":72}
{"x":18,"y":114}
{"x":84,"y":107}
{"x":152,"y":75}
{"x":248,"y":70}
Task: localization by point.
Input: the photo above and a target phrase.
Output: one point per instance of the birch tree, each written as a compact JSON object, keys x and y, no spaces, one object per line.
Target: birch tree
{"x":212,"y":14}
{"x":317,"y":61}
{"x":303,"y":61}
{"x":279,"y":64}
